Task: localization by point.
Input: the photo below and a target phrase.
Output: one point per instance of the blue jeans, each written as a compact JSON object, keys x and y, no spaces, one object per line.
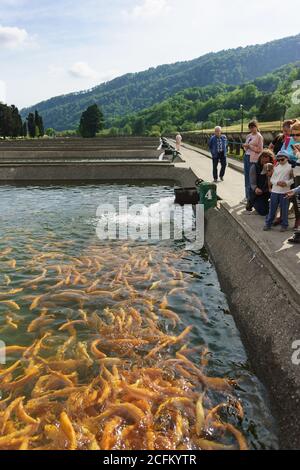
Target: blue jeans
{"x":247,"y":166}
{"x":278,"y":200}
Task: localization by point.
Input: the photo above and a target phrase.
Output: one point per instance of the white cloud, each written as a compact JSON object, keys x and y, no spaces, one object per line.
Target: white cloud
{"x":148,"y":9}
{"x":82,"y":70}
{"x":13,"y":37}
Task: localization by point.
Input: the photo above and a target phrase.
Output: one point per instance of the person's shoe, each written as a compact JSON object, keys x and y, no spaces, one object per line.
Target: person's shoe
{"x":294,"y":240}
{"x":249,"y":206}
{"x":216,"y":181}
{"x":297,"y":224}
{"x":283,"y":229}
{"x":276,"y":223}
{"x":222,"y":179}
{"x":266,"y":228}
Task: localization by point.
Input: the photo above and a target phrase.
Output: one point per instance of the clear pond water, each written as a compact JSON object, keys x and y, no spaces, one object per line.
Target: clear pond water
{"x":116,"y":344}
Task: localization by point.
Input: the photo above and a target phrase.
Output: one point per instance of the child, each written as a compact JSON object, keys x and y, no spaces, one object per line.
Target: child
{"x":296,"y":237}
{"x":282,"y":181}
{"x":268,"y":170}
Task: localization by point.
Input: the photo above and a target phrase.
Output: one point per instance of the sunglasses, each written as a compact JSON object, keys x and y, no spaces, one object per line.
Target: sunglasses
{"x":295,"y":135}
{"x":281,"y":159}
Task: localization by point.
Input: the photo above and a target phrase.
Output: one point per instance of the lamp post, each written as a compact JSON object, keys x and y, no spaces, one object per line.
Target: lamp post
{"x":242,"y":111}
{"x":226,"y":122}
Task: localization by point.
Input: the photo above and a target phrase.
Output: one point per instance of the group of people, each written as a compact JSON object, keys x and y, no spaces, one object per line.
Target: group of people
{"x":269,"y":178}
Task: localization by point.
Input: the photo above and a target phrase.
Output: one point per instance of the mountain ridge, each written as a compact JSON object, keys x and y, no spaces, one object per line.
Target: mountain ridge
{"x":134,"y":92}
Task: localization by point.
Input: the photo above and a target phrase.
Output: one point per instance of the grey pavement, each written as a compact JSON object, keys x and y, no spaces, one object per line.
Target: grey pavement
{"x":274,"y":243}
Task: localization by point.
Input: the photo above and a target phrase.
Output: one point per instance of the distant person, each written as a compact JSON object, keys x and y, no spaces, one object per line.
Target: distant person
{"x":281,"y":141}
{"x":178,"y":142}
{"x":253,"y":147}
{"x":295,"y":193}
{"x":218,"y":148}
{"x":260,"y":175}
{"x":282,"y":181}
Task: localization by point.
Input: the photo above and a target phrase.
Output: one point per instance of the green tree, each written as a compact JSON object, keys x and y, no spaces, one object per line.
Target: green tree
{"x":24,"y":129}
{"x":91,"y":122}
{"x":16,"y":121}
{"x":31,"y":125}
{"x":39,"y":124}
{"x":6,"y":121}
{"x":50,"y":132}
{"x":139,"y":127}
{"x":113,"y":132}
{"x":127,"y":130}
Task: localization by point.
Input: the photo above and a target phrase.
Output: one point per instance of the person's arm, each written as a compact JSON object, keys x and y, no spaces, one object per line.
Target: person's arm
{"x":210,"y":144}
{"x":274,"y":178}
{"x":291,"y":180}
{"x":258,"y":144}
{"x":253,"y":178}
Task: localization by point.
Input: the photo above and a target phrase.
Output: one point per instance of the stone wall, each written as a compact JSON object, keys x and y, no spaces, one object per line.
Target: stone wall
{"x":266,"y":309}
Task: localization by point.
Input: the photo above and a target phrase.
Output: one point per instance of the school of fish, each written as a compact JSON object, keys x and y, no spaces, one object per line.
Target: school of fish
{"x":105,"y":362}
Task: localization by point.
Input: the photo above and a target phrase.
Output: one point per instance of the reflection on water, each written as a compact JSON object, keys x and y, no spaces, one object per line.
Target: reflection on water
{"x":115,"y":345}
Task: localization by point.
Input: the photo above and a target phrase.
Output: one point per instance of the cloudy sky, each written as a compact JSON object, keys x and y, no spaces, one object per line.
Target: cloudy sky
{"x":51,"y":47}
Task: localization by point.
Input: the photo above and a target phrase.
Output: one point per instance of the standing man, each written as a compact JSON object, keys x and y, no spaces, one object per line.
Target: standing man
{"x":218,"y":148}
{"x":178,"y":142}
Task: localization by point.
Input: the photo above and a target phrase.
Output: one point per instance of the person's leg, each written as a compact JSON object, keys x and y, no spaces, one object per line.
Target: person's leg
{"x":296,"y":205}
{"x":284,"y":209}
{"x":273,"y":209}
{"x":215,"y":168}
{"x":296,"y":237}
{"x":261,"y":205}
{"x":247,"y":175}
{"x":223,"y":166}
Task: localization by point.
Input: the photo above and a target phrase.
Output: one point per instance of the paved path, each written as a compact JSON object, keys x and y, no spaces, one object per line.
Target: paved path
{"x":231,"y":191}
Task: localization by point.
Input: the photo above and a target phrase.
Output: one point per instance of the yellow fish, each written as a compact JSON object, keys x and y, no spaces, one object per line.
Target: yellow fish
{"x":7,"y":280}
{"x":36,"y":280}
{"x":5,"y":252}
{"x":12,"y":264}
{"x":11,"y":292}
{"x":36,"y":302}
{"x":11,"y":323}
{"x":155,"y":285}
{"x":10,"y":303}
{"x":200,"y":415}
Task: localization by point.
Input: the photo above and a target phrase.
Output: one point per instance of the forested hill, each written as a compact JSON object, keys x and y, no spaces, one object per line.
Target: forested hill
{"x":135,"y":92}
{"x":268,"y":98}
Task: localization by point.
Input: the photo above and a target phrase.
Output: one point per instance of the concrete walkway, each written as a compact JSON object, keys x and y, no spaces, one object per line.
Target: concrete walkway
{"x":284,"y":256}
